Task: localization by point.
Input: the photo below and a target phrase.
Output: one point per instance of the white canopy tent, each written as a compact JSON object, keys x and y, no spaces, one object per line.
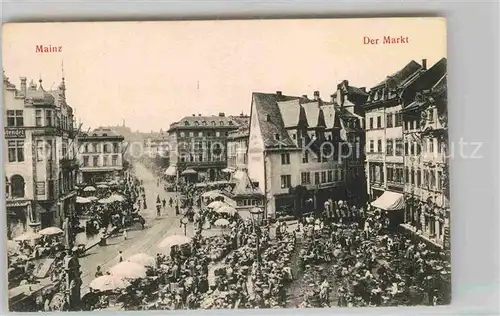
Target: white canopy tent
{"x":389,"y":201}
{"x":171,"y":171}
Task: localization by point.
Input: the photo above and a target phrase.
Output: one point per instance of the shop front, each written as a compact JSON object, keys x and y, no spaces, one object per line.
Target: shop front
{"x":18,"y":218}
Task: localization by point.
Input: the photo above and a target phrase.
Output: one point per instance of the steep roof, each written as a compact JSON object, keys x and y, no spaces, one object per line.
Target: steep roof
{"x":243,"y":185}
{"x":290,"y":112}
{"x":329,"y":113}
{"x":441,"y":86}
{"x":270,"y":120}
{"x":312,"y":112}
{"x":243,"y":127}
{"x":402,"y":75}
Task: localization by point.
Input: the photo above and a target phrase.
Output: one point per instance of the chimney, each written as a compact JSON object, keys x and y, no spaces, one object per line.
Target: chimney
{"x":424,"y":64}
{"x":221,"y":114}
{"x":316,"y":95}
{"x":279,"y":93}
{"x":346,"y":83}
{"x":23,"y":86}
{"x":304,"y":96}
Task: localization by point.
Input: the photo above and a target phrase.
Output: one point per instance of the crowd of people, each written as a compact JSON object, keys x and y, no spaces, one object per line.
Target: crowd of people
{"x":110,"y":216}
{"x":370,"y":265}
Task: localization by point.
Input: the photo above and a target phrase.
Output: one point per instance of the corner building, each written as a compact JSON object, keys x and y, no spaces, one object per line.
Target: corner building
{"x":40,"y":156}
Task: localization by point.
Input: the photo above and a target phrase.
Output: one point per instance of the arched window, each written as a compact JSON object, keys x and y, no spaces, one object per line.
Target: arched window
{"x":213,"y":123}
{"x":204,"y":123}
{"x":221,"y":123}
{"x":17,"y":183}
{"x":196,"y":123}
{"x":186,"y":123}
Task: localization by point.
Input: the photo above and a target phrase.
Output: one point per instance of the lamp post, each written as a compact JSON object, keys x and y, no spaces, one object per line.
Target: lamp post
{"x":256,"y":214}
{"x":184,"y":222}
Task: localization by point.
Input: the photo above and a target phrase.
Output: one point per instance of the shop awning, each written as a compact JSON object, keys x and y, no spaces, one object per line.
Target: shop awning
{"x":389,"y":201}
{"x":228,"y":170}
{"x":189,"y":172}
{"x":171,"y":171}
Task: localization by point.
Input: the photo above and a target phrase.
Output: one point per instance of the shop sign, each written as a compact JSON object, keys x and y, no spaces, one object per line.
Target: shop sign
{"x":14,"y":133}
{"x":446,"y":238}
{"x":40,"y":188}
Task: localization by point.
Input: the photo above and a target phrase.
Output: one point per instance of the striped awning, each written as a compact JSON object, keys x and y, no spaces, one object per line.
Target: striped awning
{"x":389,"y":201}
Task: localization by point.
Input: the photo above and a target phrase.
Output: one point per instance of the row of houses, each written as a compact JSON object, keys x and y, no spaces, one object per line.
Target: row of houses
{"x":46,"y":155}
{"x":292,"y":154}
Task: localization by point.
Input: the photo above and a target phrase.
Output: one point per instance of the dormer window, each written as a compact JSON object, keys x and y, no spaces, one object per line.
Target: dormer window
{"x":230,"y":123}
{"x":268,"y":117}
{"x":277,"y":136}
{"x":221,"y":123}
{"x":213,"y":123}
{"x":186,"y":123}
{"x":204,"y":123}
{"x":104,"y":134}
{"x":196,"y":123}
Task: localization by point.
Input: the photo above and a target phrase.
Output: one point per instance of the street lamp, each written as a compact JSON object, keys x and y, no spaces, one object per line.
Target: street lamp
{"x":256,"y":214}
{"x":184,"y":222}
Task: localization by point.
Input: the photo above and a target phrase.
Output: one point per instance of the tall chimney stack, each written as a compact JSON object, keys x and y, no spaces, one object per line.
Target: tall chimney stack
{"x":424,"y":64}
{"x":316,"y":95}
{"x":279,"y":93}
{"x":23,"y":86}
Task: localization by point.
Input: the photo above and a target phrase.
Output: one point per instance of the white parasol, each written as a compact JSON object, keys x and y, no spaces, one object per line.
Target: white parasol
{"x":221,"y":222}
{"x":103,"y":186}
{"x":174,"y":240}
{"x":105,"y":201}
{"x":143,"y":259}
{"x":128,"y":270}
{"x":211,"y":194}
{"x":116,"y":197}
{"x":227,"y":210}
{"x":216,"y":204}
{"x":93,"y":198}
{"x":89,"y":189}
{"x":108,"y":283}
{"x":12,"y":246}
{"x":27,"y":236}
{"x":82,"y":200}
{"x":51,"y":231}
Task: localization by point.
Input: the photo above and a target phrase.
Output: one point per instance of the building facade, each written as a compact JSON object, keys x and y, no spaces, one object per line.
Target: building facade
{"x":393,"y":153}
{"x":198,"y":147}
{"x":384,"y":140}
{"x":426,"y":159}
{"x":100,"y":156}
{"x":40,"y":156}
{"x":237,"y":144}
{"x":294,"y":152}
{"x":350,"y":101}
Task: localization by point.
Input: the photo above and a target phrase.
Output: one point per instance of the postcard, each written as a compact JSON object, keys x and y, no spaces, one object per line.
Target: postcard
{"x":226,"y":164}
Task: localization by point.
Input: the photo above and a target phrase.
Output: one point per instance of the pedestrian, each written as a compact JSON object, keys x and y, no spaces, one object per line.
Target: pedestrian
{"x":170,"y":202}
{"x":120,"y":256}
{"x":125,"y":234}
{"x":158,"y":210}
{"x":164,"y":203}
{"x":98,"y":272}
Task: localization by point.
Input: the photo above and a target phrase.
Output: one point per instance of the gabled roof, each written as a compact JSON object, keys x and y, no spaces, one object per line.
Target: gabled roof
{"x":243,"y":185}
{"x":270,"y":120}
{"x":441,"y":86}
{"x":290,"y":112}
{"x":312,"y":110}
{"x":402,"y":75}
{"x":329,"y":115}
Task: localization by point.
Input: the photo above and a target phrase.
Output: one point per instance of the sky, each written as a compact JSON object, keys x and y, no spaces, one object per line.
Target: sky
{"x":151,"y":74}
